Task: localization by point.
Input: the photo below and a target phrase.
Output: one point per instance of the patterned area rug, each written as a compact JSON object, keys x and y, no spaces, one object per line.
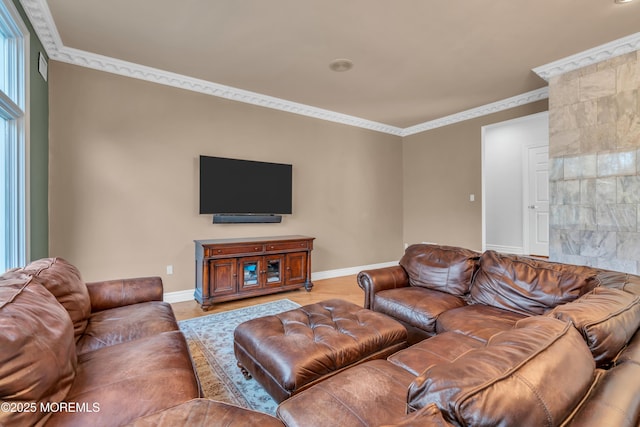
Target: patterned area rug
{"x":210,"y":340}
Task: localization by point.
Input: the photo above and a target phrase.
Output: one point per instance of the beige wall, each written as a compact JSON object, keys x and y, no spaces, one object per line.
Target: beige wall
{"x":124,"y":177}
{"x":441,"y":168}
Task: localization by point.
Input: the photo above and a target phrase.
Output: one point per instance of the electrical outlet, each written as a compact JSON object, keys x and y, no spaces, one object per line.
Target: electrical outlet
{"x":169,"y":269}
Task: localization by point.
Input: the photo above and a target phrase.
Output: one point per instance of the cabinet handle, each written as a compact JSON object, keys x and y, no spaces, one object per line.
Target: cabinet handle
{"x":255,"y":249}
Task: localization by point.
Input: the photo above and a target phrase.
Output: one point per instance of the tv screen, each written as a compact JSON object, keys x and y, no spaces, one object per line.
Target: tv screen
{"x":232,"y":186}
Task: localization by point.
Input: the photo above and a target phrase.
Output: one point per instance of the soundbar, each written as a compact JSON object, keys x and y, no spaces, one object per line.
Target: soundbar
{"x":246,"y":219}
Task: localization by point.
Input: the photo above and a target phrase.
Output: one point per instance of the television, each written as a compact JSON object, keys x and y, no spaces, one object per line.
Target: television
{"x":237,"y":190}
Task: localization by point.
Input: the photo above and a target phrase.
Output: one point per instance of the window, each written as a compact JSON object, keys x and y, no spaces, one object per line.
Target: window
{"x":14,"y":45}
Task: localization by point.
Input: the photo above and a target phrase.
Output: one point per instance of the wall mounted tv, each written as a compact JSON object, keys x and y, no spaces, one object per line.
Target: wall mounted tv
{"x":242,"y":191}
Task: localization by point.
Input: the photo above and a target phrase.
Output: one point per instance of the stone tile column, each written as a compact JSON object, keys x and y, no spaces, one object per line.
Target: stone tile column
{"x":594,"y":150}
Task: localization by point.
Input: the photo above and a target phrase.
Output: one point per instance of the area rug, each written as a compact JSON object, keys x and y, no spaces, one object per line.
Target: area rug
{"x":210,"y":340}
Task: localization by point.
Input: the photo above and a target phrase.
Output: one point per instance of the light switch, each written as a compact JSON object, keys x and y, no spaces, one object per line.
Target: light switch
{"x":472,"y":197}
{"x":169,"y":269}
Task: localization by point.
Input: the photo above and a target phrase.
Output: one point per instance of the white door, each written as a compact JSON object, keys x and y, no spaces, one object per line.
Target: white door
{"x":537,"y":208}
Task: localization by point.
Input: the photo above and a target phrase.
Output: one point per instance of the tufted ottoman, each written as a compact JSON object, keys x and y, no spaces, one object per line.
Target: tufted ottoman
{"x":289,"y":352}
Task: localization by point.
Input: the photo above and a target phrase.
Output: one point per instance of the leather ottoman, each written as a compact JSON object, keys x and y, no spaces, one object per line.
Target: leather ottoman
{"x":289,"y":352}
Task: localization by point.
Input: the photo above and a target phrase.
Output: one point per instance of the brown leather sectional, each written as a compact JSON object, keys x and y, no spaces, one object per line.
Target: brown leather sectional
{"x":96,"y":354}
{"x":495,"y":340}
{"x":498,"y":340}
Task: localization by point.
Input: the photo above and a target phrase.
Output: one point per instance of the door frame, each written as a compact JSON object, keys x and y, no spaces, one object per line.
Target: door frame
{"x":511,"y":249}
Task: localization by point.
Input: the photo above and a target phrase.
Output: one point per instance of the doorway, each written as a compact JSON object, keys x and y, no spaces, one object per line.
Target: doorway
{"x":515,"y":186}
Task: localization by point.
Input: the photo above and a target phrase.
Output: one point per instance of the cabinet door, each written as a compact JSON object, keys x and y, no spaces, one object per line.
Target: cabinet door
{"x":273,"y":271}
{"x":223,"y":276}
{"x":250,"y":273}
{"x":296,"y":268}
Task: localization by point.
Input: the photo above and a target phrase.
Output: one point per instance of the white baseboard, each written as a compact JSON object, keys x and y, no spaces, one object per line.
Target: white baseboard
{"x":187,"y":295}
{"x":330,"y":274}
{"x":178,"y":296}
{"x":515,"y":250}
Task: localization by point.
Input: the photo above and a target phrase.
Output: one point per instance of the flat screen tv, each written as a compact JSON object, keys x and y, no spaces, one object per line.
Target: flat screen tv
{"x":244,"y":187}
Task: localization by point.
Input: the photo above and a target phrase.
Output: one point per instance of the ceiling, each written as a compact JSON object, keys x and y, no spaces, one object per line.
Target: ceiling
{"x":414,"y":60}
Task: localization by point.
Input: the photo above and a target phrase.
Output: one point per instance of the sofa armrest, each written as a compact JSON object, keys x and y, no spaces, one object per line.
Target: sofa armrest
{"x":117,"y":293}
{"x":372,"y":281}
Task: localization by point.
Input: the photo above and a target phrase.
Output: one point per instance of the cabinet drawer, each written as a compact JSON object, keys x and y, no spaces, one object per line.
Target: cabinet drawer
{"x":233,"y":250}
{"x":283,"y":246}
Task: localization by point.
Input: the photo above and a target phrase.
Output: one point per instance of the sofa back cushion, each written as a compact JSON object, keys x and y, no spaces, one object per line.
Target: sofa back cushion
{"x":63,"y":280}
{"x":37,"y":349}
{"x":532,"y":375}
{"x":606,"y":318}
{"x":528,"y":286}
{"x":442,"y":268}
{"x":617,"y":280}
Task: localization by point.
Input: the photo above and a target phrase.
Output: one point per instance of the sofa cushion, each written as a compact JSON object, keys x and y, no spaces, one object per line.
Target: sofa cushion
{"x":442,"y":348}
{"x":441,"y":268}
{"x":477,"y":320}
{"x":614,"y":401}
{"x":64,"y":282}
{"x":532,"y":375}
{"x":606,"y":318}
{"x":430,"y":416}
{"x":207,"y":413}
{"x":528,"y":286}
{"x":131,"y":380}
{"x":37,"y":349}
{"x":416,"y":306}
{"x":369,"y":394}
{"x":127,"y":323}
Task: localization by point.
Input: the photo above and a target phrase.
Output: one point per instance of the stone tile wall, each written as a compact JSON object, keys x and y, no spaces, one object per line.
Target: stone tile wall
{"x":594,"y":150}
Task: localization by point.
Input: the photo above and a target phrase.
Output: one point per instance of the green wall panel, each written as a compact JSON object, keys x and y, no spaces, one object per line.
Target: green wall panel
{"x":38,"y":149}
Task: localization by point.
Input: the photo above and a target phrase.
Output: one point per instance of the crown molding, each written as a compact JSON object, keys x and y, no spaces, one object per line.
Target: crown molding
{"x":505,"y":104}
{"x":592,"y":56}
{"x":44,"y":25}
{"x":42,"y":22}
{"x":137,"y":71}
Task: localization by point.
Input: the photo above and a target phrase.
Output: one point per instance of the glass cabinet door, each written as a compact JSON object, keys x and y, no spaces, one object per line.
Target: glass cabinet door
{"x":250,"y":270}
{"x":273,"y":270}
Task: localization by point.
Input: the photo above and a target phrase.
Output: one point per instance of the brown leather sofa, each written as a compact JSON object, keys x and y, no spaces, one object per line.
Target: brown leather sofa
{"x":499,"y":340}
{"x":96,"y":354}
